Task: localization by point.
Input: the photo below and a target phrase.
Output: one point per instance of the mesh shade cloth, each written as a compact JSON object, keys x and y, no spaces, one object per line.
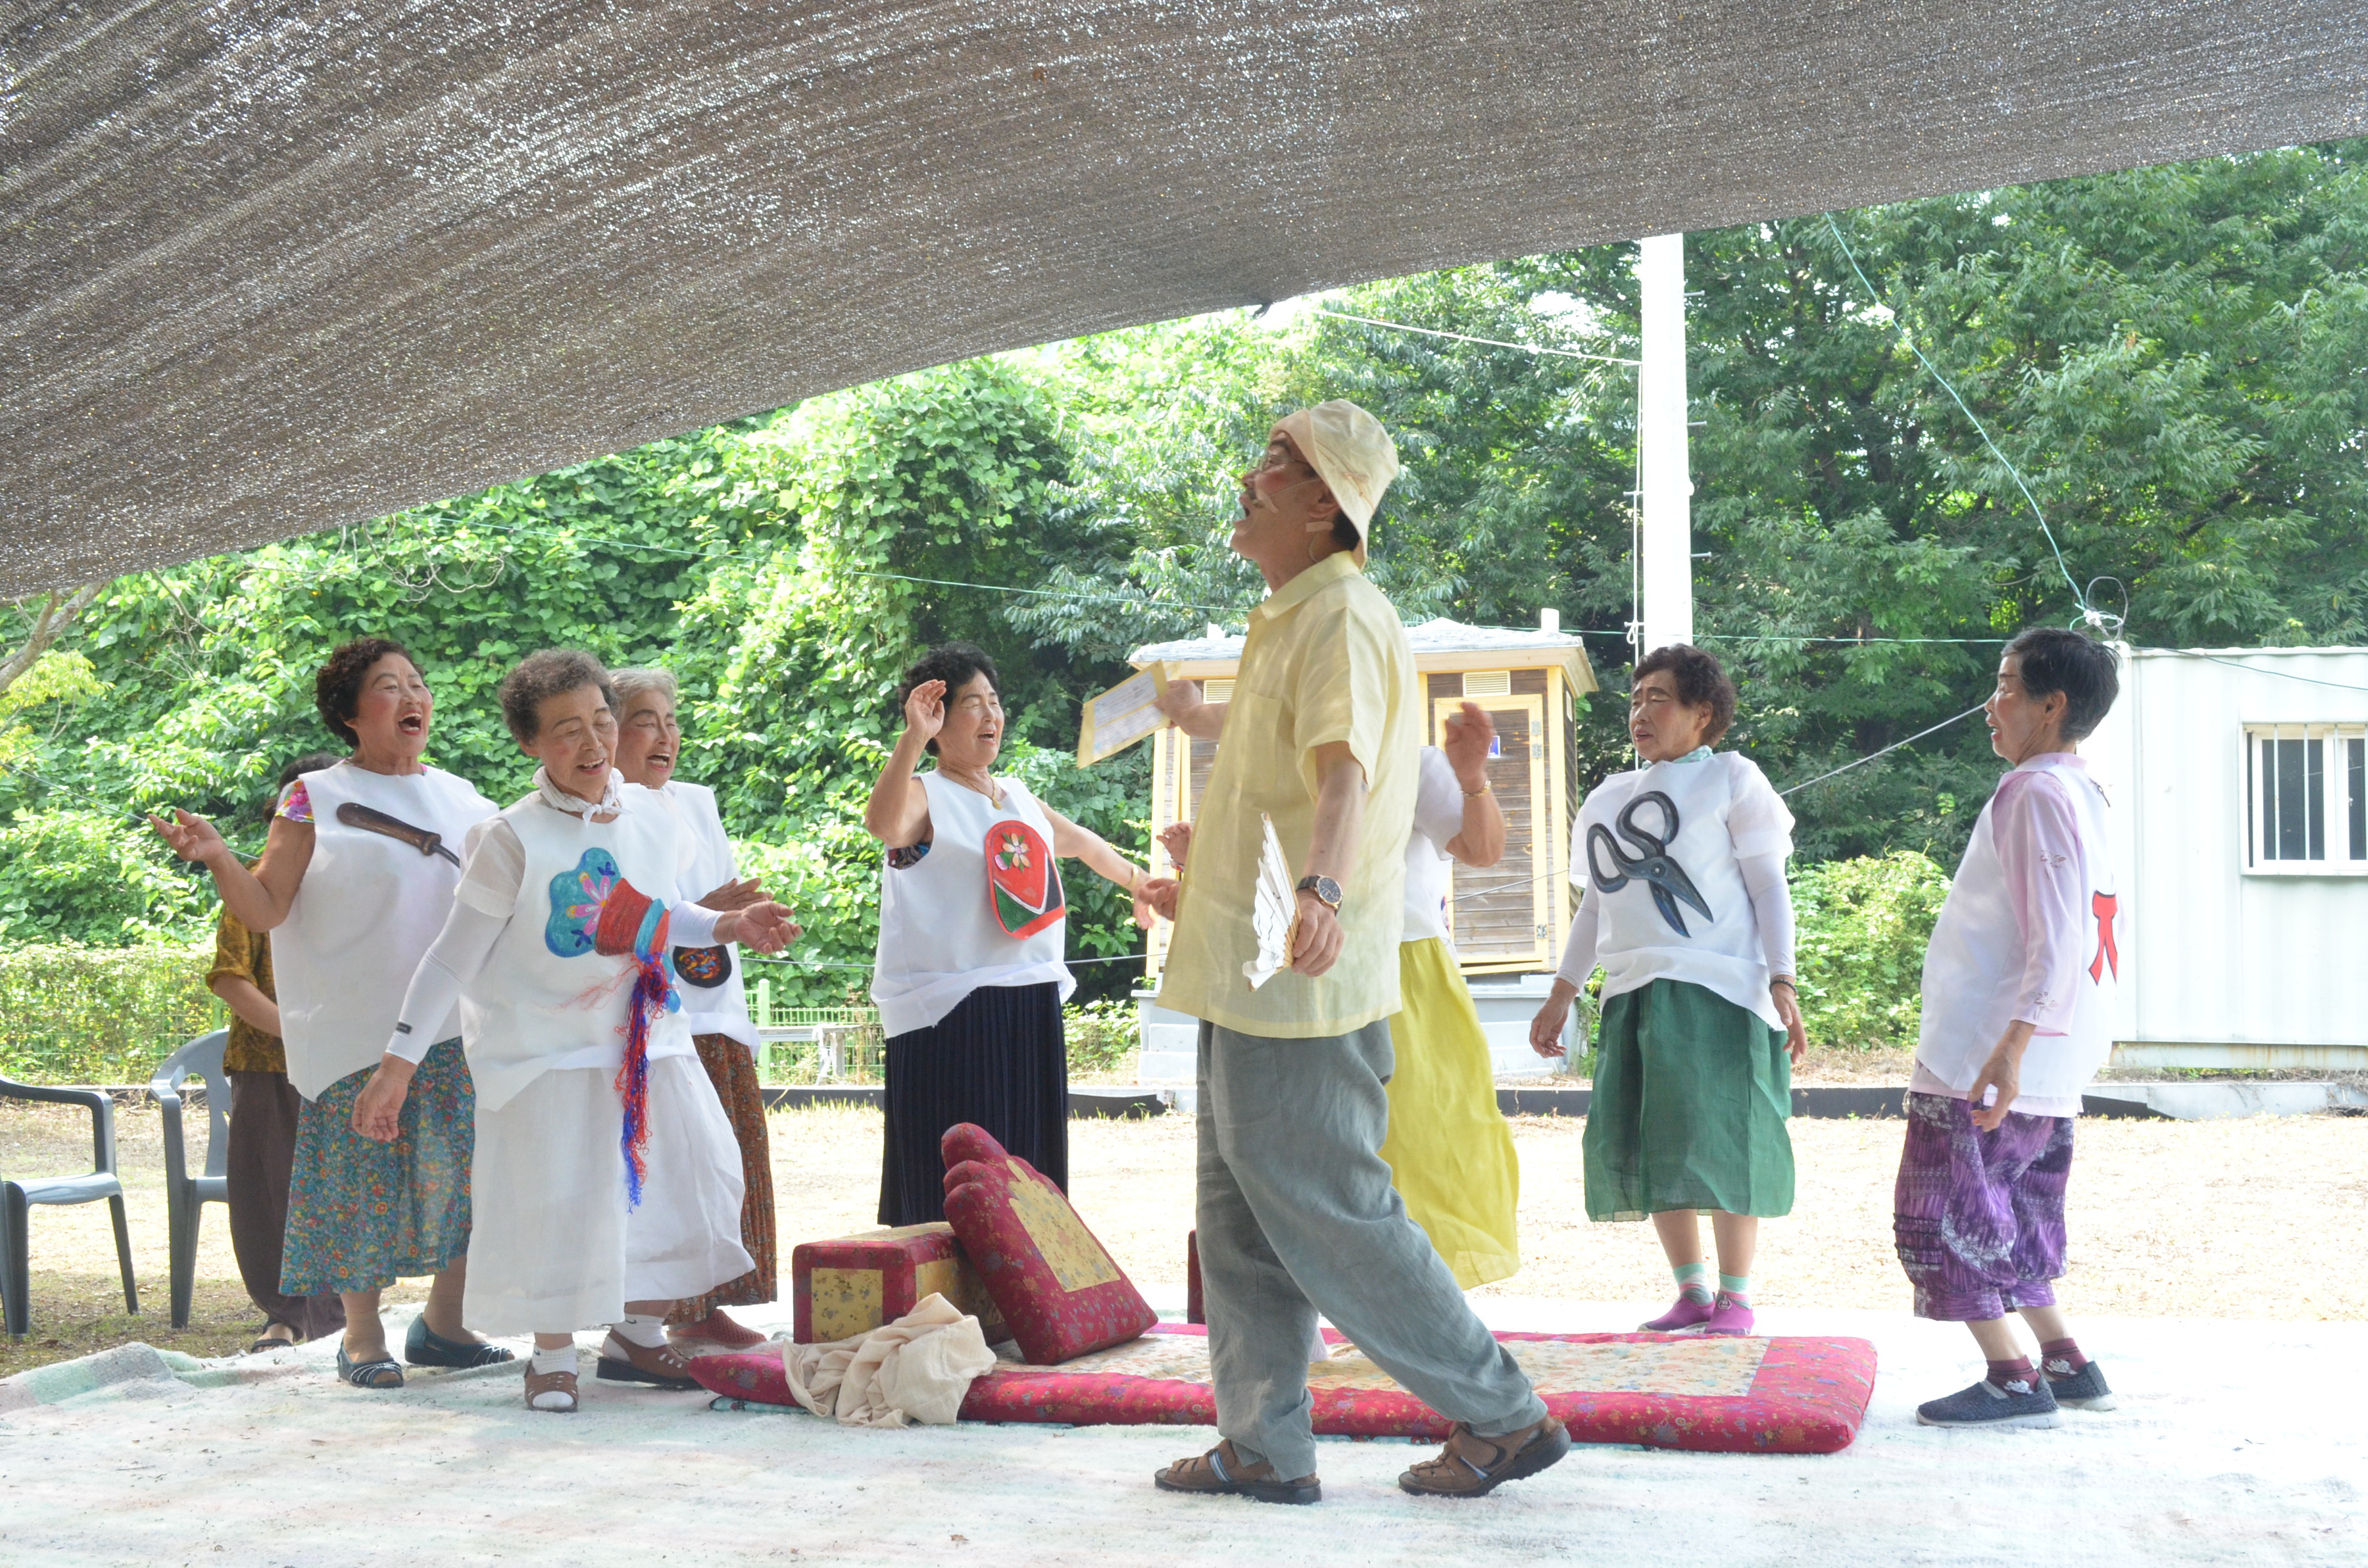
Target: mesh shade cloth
{"x":269,"y":267}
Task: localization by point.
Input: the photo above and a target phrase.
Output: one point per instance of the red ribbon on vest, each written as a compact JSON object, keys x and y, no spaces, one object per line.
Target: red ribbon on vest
{"x":2106,"y":906}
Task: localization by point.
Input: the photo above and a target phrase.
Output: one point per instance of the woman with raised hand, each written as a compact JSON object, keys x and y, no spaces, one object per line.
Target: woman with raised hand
{"x":608,"y":1181}
{"x":969,"y":975}
{"x":357,"y":877}
{"x":649,"y":743}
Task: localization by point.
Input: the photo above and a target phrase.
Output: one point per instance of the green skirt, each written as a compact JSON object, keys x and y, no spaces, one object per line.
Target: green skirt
{"x":1691,"y":1093}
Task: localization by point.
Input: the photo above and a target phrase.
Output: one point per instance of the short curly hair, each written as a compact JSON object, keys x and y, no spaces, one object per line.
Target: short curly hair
{"x":1702,"y":682}
{"x":957,"y":665}
{"x":539,"y":677}
{"x":337,"y":684}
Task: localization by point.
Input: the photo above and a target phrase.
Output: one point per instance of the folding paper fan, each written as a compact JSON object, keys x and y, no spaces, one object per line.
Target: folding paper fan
{"x":1274,"y":911}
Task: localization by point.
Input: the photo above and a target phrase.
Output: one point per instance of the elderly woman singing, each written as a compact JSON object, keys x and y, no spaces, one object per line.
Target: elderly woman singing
{"x":607,"y":1182}
{"x":969,"y":977}
{"x":715,"y":1005}
{"x":357,"y":878}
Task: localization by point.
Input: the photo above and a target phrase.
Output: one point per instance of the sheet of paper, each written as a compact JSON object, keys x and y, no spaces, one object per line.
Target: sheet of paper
{"x":1274,"y":911}
{"x":1123,"y":715}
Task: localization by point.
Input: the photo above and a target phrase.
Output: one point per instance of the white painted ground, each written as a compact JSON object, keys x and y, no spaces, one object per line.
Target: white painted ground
{"x":2236,"y":1443}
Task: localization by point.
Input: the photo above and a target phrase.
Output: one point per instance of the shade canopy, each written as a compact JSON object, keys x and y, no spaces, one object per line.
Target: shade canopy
{"x":273,"y":267}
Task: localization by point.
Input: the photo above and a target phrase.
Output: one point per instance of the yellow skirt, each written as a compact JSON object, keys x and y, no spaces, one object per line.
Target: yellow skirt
{"x":1450,"y":1154}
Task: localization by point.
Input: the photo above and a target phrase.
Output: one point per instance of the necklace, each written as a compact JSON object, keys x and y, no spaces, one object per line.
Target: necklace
{"x":993,"y":792}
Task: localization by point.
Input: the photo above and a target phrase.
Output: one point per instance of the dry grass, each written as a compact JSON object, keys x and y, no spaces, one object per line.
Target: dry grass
{"x":2250,"y":1218}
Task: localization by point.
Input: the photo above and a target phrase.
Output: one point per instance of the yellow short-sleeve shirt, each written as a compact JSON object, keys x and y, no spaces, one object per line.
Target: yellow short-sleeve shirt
{"x":1325,"y":660}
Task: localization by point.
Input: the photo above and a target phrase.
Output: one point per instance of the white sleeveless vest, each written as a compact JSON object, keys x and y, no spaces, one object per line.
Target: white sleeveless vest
{"x":369,"y":907}
{"x":548,"y":992}
{"x":714,"y":995}
{"x":1973,"y":967}
{"x":984,"y":906}
{"x":1659,"y":858}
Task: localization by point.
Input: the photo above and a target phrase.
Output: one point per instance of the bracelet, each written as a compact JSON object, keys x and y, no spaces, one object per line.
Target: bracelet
{"x":1482,"y":791}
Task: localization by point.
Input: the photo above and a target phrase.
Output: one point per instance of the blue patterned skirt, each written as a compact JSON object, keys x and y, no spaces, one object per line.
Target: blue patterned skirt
{"x":363,"y":1214}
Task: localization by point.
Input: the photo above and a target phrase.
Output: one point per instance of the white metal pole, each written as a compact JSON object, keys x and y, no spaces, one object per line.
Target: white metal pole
{"x":1666,"y":541}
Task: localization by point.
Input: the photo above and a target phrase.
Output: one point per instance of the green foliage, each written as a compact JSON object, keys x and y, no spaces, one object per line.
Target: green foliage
{"x":1862,"y":927}
{"x":85,"y":876}
{"x":75,"y":1013}
{"x":1104,"y":1038}
{"x":2177,"y":359}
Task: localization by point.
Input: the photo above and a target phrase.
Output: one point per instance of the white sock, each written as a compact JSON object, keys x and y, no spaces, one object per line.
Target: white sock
{"x":562,"y":1360}
{"x":648,"y":1331}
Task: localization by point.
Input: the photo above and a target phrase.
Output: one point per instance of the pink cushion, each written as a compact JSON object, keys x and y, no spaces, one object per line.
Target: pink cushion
{"x":1059,"y":1291}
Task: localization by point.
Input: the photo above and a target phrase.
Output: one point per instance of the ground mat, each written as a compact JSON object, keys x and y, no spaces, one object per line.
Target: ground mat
{"x":1785,"y":1396}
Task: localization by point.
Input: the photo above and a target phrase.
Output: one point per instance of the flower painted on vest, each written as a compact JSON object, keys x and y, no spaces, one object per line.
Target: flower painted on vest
{"x":1023,"y":886}
{"x":595,"y":909}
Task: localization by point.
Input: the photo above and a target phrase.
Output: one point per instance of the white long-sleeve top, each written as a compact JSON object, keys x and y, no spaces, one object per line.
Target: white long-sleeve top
{"x":1709,"y":825}
{"x":2026,"y":936}
{"x":491,"y":886}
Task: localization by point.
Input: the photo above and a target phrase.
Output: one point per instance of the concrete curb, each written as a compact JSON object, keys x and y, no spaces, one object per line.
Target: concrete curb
{"x":1130,"y":1102}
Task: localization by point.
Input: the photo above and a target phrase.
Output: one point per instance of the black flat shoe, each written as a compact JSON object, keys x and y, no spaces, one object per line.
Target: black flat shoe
{"x":423,"y":1347}
{"x":380,"y":1373}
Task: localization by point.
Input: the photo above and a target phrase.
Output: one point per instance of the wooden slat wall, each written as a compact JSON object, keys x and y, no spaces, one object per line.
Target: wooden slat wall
{"x":1495,"y":910}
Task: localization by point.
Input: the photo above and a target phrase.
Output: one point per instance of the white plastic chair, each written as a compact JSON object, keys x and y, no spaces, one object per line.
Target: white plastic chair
{"x":185,"y":1195}
{"x":17,"y":1193}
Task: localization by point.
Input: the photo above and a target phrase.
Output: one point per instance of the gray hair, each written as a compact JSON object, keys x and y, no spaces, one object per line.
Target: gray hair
{"x":631,"y":683}
{"x":553,"y":672}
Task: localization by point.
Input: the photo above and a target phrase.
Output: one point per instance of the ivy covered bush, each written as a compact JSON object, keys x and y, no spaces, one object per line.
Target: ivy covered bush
{"x":1862,"y":928}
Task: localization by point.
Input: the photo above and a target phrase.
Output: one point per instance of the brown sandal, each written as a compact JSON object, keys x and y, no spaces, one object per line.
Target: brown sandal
{"x":1221,"y":1472}
{"x":1473,"y":1466}
{"x":660,"y":1366}
{"x":539,"y":1384}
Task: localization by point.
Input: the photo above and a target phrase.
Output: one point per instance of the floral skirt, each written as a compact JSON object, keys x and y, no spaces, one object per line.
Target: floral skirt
{"x":363,"y":1214}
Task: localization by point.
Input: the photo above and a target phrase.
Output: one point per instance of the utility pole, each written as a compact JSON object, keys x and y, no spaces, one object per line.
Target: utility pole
{"x":1664,"y":539}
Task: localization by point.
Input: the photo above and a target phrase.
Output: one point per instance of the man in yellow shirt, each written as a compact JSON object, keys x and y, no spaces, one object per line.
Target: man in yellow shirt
{"x":1295,"y":1211}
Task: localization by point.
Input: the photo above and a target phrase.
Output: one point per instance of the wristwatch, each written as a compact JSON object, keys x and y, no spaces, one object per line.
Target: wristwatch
{"x":1325,"y":890}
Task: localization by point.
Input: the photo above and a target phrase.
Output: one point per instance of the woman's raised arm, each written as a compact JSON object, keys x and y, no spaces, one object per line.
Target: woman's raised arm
{"x":898,"y":813}
{"x":259,"y":899}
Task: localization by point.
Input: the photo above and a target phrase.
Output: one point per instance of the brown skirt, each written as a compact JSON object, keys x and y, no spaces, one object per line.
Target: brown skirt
{"x":735,"y":1075}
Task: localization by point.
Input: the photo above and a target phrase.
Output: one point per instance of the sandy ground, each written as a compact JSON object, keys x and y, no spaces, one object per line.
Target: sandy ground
{"x":2239,"y":1219}
{"x":2254,"y":1457}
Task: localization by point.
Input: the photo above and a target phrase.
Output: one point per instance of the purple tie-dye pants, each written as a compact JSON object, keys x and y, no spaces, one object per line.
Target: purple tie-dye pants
{"x":1979,"y":1216}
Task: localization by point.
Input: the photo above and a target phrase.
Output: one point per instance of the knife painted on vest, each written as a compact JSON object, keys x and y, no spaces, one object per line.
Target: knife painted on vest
{"x":371,"y":820}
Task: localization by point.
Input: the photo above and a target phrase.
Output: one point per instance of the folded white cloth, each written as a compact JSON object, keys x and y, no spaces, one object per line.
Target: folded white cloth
{"x":916,"y":1369}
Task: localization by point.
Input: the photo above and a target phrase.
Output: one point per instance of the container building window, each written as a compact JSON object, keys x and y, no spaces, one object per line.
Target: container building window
{"x":2307,"y":799}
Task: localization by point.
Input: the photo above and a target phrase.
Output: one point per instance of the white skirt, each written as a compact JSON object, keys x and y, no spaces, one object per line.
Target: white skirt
{"x":554,"y":1247}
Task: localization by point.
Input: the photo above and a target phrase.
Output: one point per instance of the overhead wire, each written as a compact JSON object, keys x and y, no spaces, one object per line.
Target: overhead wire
{"x":2080,"y":597}
{"x":1466,"y":337}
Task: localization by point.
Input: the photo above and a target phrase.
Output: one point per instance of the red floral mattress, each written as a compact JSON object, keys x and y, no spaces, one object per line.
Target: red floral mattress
{"x":1786,"y":1395}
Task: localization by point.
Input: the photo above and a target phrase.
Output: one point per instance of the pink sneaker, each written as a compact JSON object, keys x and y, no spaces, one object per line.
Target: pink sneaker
{"x":1727,"y":1315}
{"x":1688,"y":1314}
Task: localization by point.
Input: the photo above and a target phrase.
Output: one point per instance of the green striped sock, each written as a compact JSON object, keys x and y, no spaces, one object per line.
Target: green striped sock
{"x":1736,"y":1286}
{"x":1693,"y":1280}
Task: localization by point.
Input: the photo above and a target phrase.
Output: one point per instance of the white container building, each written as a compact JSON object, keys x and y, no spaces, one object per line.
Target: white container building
{"x":2239,"y":784}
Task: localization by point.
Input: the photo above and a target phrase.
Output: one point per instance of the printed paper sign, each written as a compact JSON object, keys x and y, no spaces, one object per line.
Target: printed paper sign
{"x":1123,"y":715}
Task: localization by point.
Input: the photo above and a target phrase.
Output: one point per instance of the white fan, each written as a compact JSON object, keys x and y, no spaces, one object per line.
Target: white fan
{"x":1274,"y":911}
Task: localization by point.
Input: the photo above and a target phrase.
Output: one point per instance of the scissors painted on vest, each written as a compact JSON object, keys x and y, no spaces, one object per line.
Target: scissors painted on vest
{"x":1656,"y":867}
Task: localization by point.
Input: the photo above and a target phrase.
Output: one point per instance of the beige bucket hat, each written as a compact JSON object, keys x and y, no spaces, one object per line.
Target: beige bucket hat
{"x":1350,"y":453}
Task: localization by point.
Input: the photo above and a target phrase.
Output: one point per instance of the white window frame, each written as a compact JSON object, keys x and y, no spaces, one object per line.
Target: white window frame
{"x":2335,"y":801}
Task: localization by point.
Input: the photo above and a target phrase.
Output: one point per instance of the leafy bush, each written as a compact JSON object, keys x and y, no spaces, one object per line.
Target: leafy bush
{"x":80,"y":876}
{"x":72,"y":1014}
{"x":1103,"y":1037}
{"x":1863,"y":925}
